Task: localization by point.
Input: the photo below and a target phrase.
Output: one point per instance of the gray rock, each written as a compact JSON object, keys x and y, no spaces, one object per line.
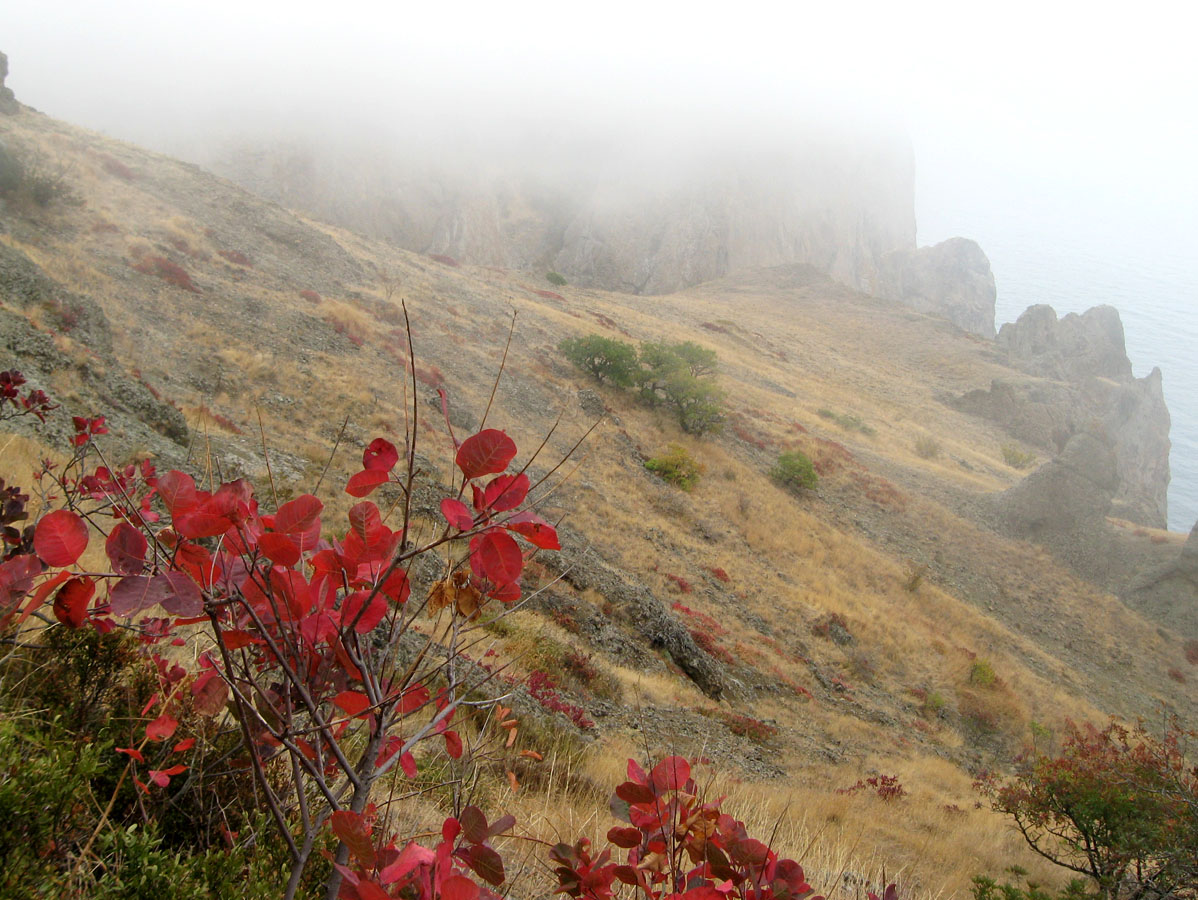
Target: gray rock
{"x":635,"y":605}
{"x":1081,"y":379}
{"x":951,"y":279}
{"x":1069,"y":349}
{"x":8,"y":100}
{"x":1070,"y":492}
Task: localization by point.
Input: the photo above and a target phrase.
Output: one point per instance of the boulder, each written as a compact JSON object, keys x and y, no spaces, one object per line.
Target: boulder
{"x":951,"y":279}
{"x":1068,"y":493}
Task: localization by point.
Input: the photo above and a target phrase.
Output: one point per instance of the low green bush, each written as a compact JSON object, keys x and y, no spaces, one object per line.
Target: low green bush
{"x":795,"y":472}
{"x":677,"y":467}
{"x":556,"y":278}
{"x":927,"y":447}
{"x":1016,"y":458}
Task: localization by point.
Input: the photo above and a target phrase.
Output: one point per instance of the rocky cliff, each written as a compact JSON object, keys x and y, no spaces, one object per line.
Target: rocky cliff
{"x":616,"y":217}
{"x":1075,"y":376}
{"x":951,"y":279}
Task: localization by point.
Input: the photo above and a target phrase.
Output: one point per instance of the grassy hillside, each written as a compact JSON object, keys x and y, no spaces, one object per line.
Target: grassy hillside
{"x":878,"y":625}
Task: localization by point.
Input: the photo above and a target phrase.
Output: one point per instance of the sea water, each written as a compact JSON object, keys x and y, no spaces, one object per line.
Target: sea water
{"x":1074,"y":250}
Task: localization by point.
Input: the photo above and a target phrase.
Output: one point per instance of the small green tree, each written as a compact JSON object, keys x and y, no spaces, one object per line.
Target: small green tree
{"x":556,"y":279}
{"x":698,"y":402}
{"x":795,"y":472}
{"x":657,"y":363}
{"x":606,"y":359}
{"x":700,"y":360}
{"x":1117,"y":806}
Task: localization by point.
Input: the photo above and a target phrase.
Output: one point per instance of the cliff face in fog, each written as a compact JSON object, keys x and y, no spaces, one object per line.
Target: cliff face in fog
{"x":618,"y":219}
{"x":1081,"y":380}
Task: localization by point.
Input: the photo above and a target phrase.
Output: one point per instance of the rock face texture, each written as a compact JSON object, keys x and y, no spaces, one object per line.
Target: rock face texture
{"x":951,"y":279}
{"x":8,"y":100}
{"x":1068,"y":349}
{"x":1080,"y":379}
{"x":1070,"y":492}
{"x":617,"y":218}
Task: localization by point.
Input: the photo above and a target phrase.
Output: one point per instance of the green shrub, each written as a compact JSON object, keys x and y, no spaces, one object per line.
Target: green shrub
{"x":556,"y":278}
{"x":795,"y":472}
{"x":1016,"y":458}
{"x":606,"y":359}
{"x":981,"y":673}
{"x":677,"y":467}
{"x":848,"y":421}
{"x":25,"y":179}
{"x":678,"y":376}
{"x":927,"y":447}
{"x":699,"y":403}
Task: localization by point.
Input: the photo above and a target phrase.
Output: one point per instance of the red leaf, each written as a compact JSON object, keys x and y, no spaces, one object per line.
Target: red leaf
{"x":453,"y":745}
{"x":178,"y":492}
{"x":130,"y":595}
{"x":16,"y":577}
{"x":180,"y":595}
{"x":352,"y":702}
{"x":298,"y":515}
{"x":505,"y":492}
{"x":235,"y":640}
{"x":459,"y":887}
{"x":485,"y":453}
{"x":126,"y":548}
{"x":626,"y":838}
{"x":279,"y":549}
{"x":70,"y":604}
{"x":183,"y":746}
{"x":60,"y":538}
{"x":132,"y":752}
{"x":413,"y":698}
{"x":410,"y":857}
{"x":635,"y":793}
{"x":380,"y":456}
{"x":162,"y":777}
{"x":457,"y":514}
{"x":367,"y":522}
{"x":367,"y":621}
{"x":161,"y":728}
{"x":353,"y":830}
{"x":396,"y":588}
{"x":369,"y":890}
{"x":408,"y":764}
{"x":209,"y":694}
{"x":365,"y":482}
{"x":505,"y":593}
{"x":474,"y":824}
{"x":486,"y":863}
{"x":670,"y":774}
{"x":500,"y":825}
{"x":534,"y":529}
{"x":496,"y":557}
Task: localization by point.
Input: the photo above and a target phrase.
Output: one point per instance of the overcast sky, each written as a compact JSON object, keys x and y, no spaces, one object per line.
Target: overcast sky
{"x":1056,"y":90}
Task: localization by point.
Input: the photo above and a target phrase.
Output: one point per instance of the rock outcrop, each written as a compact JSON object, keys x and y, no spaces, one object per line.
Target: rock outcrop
{"x":8,"y":100}
{"x":1072,"y":348}
{"x":1071,"y":492}
{"x":951,"y":279}
{"x":1169,"y":592}
{"x":1081,"y":379}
